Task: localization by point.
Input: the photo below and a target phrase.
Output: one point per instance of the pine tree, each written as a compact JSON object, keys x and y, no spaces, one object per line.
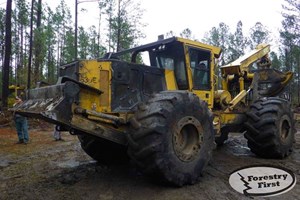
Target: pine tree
{"x":2,"y":35}
{"x":62,"y":21}
{"x":170,"y":34}
{"x":186,"y":33}
{"x":39,"y":45}
{"x":276,"y":63}
{"x":52,"y":38}
{"x":50,"y":41}
{"x":125,"y":27}
{"x":109,"y":12}
{"x":219,"y":36}
{"x":259,"y":34}
{"x":83,"y":43}
{"x":95,"y":49}
{"x":6,"y":66}
{"x":237,"y":43}
{"x":290,"y":40}
{"x":102,"y":10}
{"x":22,"y":13}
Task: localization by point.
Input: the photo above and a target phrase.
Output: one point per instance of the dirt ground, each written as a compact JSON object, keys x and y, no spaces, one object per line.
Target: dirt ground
{"x":48,"y":169}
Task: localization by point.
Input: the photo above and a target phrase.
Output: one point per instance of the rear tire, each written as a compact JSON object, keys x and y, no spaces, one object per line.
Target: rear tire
{"x":172,"y":137}
{"x":104,"y":151}
{"x":270,"y":128}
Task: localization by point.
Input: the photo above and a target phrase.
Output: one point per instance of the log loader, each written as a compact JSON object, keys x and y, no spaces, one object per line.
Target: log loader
{"x":167,"y":115}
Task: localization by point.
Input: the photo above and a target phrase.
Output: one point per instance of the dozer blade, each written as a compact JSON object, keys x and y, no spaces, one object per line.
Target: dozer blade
{"x":272,"y":82}
{"x":51,"y":103}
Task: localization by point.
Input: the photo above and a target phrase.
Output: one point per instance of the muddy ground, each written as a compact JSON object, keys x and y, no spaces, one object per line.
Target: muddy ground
{"x":48,"y":169}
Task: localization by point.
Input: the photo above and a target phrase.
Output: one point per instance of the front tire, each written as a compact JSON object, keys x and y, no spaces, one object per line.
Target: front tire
{"x":172,"y":137}
{"x":270,"y":128}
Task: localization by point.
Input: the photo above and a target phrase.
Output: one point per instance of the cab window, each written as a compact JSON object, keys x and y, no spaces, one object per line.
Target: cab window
{"x":171,"y":57}
{"x":200,"y":65}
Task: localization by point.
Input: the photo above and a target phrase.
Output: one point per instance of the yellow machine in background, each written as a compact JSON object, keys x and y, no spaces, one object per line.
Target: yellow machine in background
{"x":166,"y":115}
{"x":14,"y":91}
{"x":243,"y":83}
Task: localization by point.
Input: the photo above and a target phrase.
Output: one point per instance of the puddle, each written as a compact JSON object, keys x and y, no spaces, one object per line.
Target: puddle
{"x":237,"y":145}
{"x":4,"y":163}
{"x":68,"y":164}
{"x":239,"y":150}
{"x":72,"y":163}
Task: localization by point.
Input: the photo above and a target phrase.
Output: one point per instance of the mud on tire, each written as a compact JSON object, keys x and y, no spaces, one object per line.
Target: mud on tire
{"x":172,"y":137}
{"x":270,"y":128}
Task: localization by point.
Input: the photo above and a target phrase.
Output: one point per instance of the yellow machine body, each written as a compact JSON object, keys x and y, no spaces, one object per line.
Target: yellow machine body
{"x":101,"y":95}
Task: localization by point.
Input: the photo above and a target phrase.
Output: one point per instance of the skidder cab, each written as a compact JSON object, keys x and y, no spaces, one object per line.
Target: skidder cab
{"x":165,"y":114}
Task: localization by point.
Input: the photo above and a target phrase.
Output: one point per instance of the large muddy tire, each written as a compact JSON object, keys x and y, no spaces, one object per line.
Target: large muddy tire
{"x":270,"y":128}
{"x":172,"y":137}
{"x":104,"y":151}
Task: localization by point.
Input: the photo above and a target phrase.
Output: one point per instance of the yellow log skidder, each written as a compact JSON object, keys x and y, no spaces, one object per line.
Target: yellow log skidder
{"x":166,"y":115}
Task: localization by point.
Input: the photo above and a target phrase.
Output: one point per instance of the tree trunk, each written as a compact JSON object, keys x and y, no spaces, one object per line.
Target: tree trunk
{"x":298,"y":64}
{"x":37,"y":46}
{"x":5,"y":73}
{"x":30,"y":47}
{"x":99,"y":34}
{"x":119,"y":26}
{"x":22,"y":50}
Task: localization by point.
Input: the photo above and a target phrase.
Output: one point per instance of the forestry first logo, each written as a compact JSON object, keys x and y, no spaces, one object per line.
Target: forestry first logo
{"x":262,"y":180}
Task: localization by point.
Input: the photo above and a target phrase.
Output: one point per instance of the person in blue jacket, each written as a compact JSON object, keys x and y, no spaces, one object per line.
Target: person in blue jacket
{"x":21,"y":125}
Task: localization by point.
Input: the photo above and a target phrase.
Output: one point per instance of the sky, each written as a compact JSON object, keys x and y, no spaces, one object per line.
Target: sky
{"x":162,"y":16}
{"x":201,"y":15}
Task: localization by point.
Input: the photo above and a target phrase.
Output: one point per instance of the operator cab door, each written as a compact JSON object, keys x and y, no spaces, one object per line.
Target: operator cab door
{"x":201,"y":71}
{"x":171,"y":58}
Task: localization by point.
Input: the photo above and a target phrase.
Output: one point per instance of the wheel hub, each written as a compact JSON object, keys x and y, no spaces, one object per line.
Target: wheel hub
{"x":187,"y":138}
{"x":285,"y":129}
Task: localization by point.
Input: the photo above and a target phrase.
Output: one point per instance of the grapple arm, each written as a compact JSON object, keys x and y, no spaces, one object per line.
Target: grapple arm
{"x":51,"y":103}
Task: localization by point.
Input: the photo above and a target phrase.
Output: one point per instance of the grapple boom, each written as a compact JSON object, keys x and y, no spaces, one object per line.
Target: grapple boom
{"x":50,"y":103}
